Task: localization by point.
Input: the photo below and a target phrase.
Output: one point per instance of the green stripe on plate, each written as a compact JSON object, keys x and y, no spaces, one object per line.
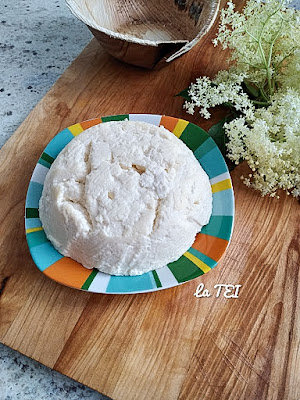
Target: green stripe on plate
{"x":32,"y":213}
{"x":219,"y":226}
{"x":90,"y":279}
{"x":193,"y":136}
{"x":115,"y":118}
{"x":156,"y":278}
{"x":47,"y":158}
{"x":184,"y":269}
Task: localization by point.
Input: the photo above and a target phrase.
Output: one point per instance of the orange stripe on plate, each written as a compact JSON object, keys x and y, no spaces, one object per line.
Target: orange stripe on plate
{"x":211,"y":246}
{"x":68,"y":272}
{"x":87,"y":124}
{"x":169,"y":122}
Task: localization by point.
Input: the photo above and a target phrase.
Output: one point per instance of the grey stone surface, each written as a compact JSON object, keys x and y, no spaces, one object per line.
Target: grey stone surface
{"x":38,"y":41}
{"x":25,"y":379}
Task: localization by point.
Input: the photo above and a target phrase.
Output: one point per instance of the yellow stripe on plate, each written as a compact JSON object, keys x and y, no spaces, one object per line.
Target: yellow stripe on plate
{"x":223,"y":185}
{"x":200,"y":264}
{"x":180,"y":127}
{"x":34,"y":229}
{"x":75,"y":129}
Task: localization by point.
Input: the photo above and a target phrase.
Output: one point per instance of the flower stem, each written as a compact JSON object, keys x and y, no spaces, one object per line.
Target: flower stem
{"x":267,"y":67}
{"x":261,"y":103}
{"x":265,"y":62}
{"x":263,"y":94}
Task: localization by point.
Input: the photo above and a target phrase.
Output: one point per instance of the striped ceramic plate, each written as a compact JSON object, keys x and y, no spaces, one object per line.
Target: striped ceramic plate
{"x":206,"y":251}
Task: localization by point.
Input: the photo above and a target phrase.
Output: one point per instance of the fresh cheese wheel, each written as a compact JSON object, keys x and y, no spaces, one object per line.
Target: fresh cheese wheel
{"x":125,"y":197}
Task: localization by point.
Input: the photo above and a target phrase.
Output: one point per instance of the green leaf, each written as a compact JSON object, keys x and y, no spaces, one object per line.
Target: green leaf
{"x":251,"y":89}
{"x":185,"y":94}
{"x":217,"y":133}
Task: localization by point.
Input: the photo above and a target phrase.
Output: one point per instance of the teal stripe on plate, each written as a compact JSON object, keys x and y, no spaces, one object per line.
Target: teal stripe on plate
{"x":44,"y":163}
{"x":223,"y":203}
{"x":58,"y":143}
{"x":36,"y":238}
{"x":219,"y":226}
{"x":33,"y":195}
{"x":184,"y":269}
{"x":207,"y":146}
{"x":120,"y":117}
{"x":119,"y":284}
{"x":44,"y":255}
{"x":207,"y":260}
{"x":213,"y":163}
{"x":32,"y":223}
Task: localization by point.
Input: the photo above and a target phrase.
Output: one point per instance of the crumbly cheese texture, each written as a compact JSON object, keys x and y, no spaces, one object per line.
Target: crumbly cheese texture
{"x":125,"y":197}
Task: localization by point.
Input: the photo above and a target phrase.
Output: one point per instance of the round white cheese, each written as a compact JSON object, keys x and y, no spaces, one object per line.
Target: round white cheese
{"x":125,"y":198}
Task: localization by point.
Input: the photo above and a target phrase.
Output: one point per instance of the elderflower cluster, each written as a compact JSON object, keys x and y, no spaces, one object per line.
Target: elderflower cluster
{"x":290,"y":74}
{"x":225,"y":88}
{"x":264,"y":37}
{"x":270,"y":143}
{"x":262,"y":88}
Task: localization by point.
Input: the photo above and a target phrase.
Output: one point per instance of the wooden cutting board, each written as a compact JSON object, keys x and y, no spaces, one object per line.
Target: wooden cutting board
{"x":168,"y":344}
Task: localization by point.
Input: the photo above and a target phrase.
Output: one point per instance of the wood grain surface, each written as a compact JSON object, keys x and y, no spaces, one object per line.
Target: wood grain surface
{"x":167,"y":344}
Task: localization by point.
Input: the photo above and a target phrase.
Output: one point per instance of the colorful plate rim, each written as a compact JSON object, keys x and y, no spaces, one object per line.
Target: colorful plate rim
{"x":207,"y":250}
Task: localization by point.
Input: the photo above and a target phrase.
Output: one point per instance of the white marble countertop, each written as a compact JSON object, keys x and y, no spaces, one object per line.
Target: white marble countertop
{"x":38,"y":41}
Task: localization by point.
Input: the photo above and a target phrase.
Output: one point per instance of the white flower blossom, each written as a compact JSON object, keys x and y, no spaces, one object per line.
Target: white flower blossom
{"x":270,"y":143}
{"x":263,"y":87}
{"x":224,"y":88}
